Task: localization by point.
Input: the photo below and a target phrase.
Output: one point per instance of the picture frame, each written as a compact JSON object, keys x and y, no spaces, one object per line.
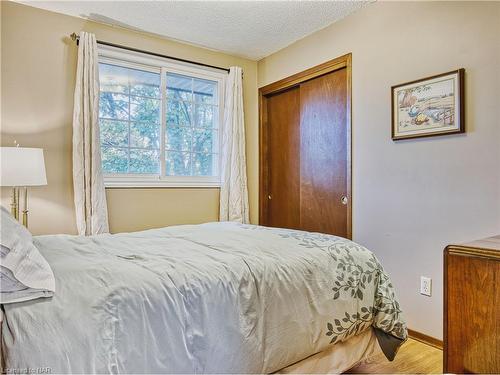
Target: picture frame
{"x":429,"y":106}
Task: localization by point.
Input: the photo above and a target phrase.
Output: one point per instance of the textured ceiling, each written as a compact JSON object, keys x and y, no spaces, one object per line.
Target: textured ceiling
{"x":252,"y":29}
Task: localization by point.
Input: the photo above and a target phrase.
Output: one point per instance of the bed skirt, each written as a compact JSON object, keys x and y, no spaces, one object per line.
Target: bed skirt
{"x":338,"y":358}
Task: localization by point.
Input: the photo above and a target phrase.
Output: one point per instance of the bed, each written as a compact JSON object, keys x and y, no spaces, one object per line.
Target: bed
{"x":209,"y":298}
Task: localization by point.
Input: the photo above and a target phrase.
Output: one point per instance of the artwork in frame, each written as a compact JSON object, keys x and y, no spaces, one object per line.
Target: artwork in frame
{"x":429,"y":106}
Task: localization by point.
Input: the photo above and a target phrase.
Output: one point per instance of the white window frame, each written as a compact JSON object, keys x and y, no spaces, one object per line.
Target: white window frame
{"x":162,"y":66}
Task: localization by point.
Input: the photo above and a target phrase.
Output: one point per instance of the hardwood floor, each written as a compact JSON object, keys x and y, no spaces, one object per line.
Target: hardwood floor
{"x":414,"y":357}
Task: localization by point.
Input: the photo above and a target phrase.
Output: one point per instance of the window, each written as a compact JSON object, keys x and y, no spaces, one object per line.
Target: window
{"x":159,"y":121}
{"x":129,"y":120}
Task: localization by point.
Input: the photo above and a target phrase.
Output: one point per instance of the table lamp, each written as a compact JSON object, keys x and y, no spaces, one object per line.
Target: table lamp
{"x":21,"y":167}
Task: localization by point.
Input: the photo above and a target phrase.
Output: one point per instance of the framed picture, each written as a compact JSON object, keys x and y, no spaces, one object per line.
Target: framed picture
{"x":429,"y":106}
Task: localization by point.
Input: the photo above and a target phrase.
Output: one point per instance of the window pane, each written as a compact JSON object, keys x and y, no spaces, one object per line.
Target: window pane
{"x":113,"y":106}
{"x":128,"y":80}
{"x":203,"y":140}
{"x":113,"y":133}
{"x":205,"y":91}
{"x":129,"y":95}
{"x":144,"y":83}
{"x":178,"y":163}
{"x":113,"y":78}
{"x":142,"y":109}
{"x":179,"y":87}
{"x":114,"y":160}
{"x":204,"y":117}
{"x":178,"y":113}
{"x":202,"y":164}
{"x":178,"y":138}
{"x":144,"y":161}
{"x":144,"y":135}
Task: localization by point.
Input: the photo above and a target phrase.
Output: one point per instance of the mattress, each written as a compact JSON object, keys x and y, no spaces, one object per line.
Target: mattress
{"x":210,"y":298}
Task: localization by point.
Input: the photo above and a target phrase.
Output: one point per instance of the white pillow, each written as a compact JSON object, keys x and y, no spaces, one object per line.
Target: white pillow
{"x":24,"y":272}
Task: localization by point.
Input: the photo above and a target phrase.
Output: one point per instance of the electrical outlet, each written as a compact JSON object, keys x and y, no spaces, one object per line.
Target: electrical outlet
{"x":425,"y":286}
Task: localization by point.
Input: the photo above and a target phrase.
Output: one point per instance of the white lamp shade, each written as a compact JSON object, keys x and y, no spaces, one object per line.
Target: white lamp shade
{"x":21,"y":166}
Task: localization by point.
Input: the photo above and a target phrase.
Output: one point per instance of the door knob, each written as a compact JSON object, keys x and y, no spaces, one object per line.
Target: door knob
{"x":344,"y":200}
{"x":269,"y":197}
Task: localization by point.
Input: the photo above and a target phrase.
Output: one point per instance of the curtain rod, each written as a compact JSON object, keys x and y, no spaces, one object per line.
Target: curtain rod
{"x":76,"y":38}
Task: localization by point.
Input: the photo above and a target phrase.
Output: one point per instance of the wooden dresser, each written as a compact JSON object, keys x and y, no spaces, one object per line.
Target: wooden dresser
{"x":472,"y":307}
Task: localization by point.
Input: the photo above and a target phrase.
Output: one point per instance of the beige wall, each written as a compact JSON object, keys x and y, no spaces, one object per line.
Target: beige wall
{"x":38,"y":68}
{"x":411,"y":198}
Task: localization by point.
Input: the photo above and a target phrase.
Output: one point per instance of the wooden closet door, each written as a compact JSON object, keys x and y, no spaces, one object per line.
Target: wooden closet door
{"x":323,"y":154}
{"x":305,"y":135}
{"x":283,"y":158}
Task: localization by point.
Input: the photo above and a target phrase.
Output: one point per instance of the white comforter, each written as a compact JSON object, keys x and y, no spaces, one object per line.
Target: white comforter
{"x":217,"y":297}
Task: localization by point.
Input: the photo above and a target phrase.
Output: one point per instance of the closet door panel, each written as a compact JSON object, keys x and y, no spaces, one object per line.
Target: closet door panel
{"x":323,"y":154}
{"x":283,"y":127}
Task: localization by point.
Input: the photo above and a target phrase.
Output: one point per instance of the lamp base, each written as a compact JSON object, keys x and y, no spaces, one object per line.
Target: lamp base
{"x":25,"y":211}
{"x":14,"y":205}
{"x":25,"y":218}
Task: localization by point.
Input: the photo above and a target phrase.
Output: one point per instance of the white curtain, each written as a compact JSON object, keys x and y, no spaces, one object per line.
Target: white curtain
{"x":88,"y":183}
{"x":234,"y":191}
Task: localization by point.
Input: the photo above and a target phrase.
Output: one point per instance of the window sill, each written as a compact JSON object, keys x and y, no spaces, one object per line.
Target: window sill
{"x":117,"y":182}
